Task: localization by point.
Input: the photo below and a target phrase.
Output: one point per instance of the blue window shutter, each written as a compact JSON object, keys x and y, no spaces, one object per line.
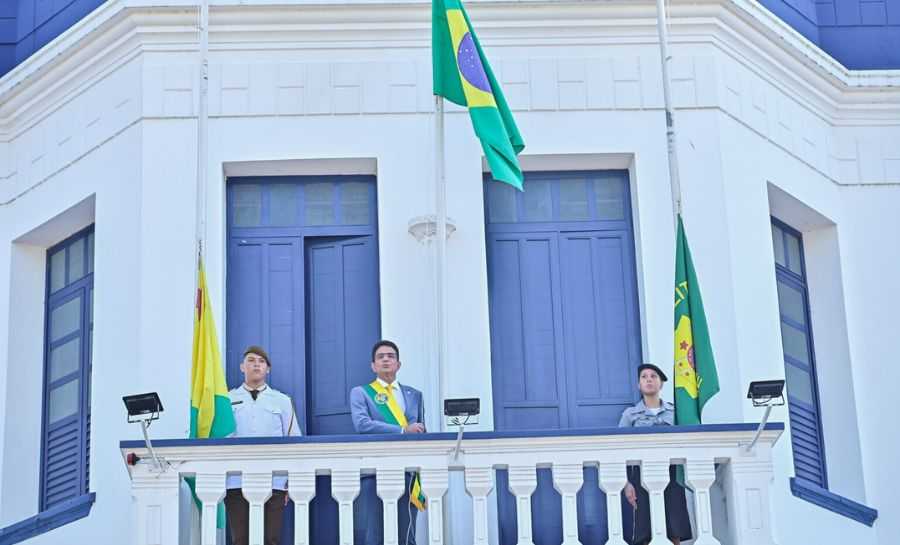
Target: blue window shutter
{"x":807,"y":442}
{"x":68,"y":332}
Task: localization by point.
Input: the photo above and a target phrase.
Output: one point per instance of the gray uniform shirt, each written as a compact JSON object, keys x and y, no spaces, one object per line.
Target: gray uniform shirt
{"x":641,"y":415}
{"x":270,"y":415}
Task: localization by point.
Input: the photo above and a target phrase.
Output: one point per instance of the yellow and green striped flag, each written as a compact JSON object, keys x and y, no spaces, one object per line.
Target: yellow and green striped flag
{"x":211,"y":414}
{"x":696,"y":379}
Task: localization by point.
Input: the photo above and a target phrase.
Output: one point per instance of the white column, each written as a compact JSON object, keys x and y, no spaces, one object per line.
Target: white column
{"x":747,"y":493}
{"x":612,"y":478}
{"x":210,"y":489}
{"x":345,"y":488}
{"x":655,"y":476}
{"x":156,"y":502}
{"x":567,"y":480}
{"x":257,"y":488}
{"x":479,"y":483}
{"x":390,"y":486}
{"x":302,"y":489}
{"x":522,"y":483}
{"x":434,"y":486}
{"x":700,"y":475}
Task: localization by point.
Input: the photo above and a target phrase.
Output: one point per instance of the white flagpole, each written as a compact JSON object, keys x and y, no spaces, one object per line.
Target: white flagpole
{"x":674,"y":180}
{"x":440,"y":198}
{"x":202,"y":123}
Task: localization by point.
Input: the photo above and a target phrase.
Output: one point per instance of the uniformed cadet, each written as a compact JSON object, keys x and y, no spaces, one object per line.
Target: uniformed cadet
{"x":652,"y":410}
{"x":259,"y":411}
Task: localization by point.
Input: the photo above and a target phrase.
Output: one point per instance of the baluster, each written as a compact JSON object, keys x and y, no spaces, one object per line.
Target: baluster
{"x":344,"y":489}
{"x":210,"y":489}
{"x":612,"y":479}
{"x":257,"y":488}
{"x":156,"y":502}
{"x":479,"y":483}
{"x":302,"y":489}
{"x":655,"y":476}
{"x":390,"y":485}
{"x":434,"y":485}
{"x":567,"y":479}
{"x":522,"y":483}
{"x":701,"y":474}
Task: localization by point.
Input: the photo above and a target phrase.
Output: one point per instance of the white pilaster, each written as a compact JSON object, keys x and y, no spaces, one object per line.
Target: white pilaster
{"x":747,"y":489}
{"x":156,"y":501}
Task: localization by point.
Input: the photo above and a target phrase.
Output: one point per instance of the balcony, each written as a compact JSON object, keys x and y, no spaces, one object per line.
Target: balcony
{"x":710,"y":454}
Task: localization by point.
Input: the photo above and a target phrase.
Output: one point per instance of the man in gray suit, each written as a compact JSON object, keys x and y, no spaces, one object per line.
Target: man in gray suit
{"x":385,"y":406}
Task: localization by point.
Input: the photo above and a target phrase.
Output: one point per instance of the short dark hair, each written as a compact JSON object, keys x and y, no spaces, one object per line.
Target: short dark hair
{"x":384,"y":342}
{"x":253,"y":349}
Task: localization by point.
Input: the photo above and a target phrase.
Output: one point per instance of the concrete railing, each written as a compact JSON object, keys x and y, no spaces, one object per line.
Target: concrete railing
{"x":706,"y":452}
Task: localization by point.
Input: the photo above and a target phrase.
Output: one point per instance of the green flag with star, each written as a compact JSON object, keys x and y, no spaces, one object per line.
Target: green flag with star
{"x":696,"y":380}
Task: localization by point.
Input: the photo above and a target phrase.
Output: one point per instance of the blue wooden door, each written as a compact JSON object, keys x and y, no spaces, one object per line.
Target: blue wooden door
{"x":565,"y":337}
{"x":343,"y":317}
{"x":265,"y":307}
{"x":303,"y":283}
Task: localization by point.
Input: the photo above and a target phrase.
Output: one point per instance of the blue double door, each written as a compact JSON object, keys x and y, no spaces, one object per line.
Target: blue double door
{"x":565,"y":334}
{"x":302,"y":283}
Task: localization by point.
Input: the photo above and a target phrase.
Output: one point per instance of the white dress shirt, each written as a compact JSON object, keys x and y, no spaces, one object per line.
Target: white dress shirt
{"x":398,"y":393}
{"x":271,"y":414}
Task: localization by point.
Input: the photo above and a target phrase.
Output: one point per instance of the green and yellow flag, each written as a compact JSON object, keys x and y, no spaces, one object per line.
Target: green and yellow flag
{"x":696,"y":380}
{"x":387,"y":405}
{"x":462,"y":75}
{"x":211,"y":414}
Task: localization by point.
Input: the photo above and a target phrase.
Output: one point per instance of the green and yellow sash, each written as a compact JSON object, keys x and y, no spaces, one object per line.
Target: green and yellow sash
{"x":387,"y":405}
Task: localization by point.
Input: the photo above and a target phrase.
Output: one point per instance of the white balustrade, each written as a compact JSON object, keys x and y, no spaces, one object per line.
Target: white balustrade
{"x":744,"y":477}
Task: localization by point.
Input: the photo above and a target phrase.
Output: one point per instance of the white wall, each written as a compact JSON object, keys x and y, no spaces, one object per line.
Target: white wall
{"x":748,"y":122}
{"x":871,"y":263}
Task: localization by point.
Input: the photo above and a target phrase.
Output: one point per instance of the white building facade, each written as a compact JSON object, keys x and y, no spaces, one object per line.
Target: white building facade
{"x":777,"y":142}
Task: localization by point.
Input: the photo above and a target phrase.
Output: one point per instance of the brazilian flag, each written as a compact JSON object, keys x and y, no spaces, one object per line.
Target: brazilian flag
{"x":696,"y":380}
{"x":463,"y":76}
{"x":211,"y":414}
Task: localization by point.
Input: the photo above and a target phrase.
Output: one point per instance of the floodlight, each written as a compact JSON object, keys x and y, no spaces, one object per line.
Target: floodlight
{"x":768,"y":394}
{"x":463,"y":407}
{"x":144,"y":409}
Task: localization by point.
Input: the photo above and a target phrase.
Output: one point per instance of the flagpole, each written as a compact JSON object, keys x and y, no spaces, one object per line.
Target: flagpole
{"x":674,"y":180}
{"x":202,"y":124}
{"x":440,"y":198}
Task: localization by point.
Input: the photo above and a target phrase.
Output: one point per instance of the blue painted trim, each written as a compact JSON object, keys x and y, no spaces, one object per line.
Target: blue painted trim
{"x":798,"y":281}
{"x":833,"y":502}
{"x":471,"y":436}
{"x":71,"y":289}
{"x":59,"y":515}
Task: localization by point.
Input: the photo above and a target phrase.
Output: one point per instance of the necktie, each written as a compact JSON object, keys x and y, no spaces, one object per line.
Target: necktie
{"x":254,"y":393}
{"x":390,"y":391}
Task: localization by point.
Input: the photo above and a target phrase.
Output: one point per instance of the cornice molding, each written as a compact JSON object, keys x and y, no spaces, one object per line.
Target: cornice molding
{"x":121,"y":29}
